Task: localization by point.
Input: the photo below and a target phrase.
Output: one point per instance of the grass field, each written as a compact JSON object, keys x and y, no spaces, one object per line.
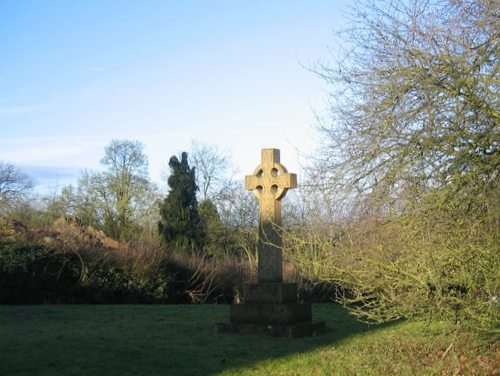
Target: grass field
{"x":181,"y":340}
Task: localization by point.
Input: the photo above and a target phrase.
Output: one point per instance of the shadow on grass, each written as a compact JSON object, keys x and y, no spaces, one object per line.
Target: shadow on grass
{"x":145,"y":340}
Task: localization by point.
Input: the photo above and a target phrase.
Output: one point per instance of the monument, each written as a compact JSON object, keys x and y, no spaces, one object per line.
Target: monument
{"x":270,"y":305}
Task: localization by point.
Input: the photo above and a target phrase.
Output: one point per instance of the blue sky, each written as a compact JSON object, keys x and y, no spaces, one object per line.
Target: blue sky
{"x":75,"y":74}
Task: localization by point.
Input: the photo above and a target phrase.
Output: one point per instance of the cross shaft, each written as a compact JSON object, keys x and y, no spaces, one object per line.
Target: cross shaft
{"x":270,"y":182}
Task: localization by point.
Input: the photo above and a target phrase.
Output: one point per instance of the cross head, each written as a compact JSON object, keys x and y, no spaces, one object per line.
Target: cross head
{"x":270,"y":182}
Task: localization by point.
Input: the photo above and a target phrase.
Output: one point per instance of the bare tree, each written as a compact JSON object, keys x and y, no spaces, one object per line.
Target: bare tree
{"x":120,"y":200}
{"x":414,"y":97}
{"x":413,"y":145}
{"x":211,"y":165}
{"x":124,"y":182}
{"x":14,"y":185}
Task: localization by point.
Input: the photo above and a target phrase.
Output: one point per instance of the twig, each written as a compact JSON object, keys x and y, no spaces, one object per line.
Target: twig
{"x":449,"y":347}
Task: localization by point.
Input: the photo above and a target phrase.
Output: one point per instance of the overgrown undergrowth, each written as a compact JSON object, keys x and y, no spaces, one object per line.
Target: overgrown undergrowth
{"x":437,"y":258}
{"x":70,"y":263}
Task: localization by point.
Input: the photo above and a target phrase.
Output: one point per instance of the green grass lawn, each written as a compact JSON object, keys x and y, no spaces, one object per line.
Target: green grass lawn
{"x":181,"y":340}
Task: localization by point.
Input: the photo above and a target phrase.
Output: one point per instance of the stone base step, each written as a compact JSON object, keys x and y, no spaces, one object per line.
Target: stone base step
{"x":302,"y":329}
{"x":270,"y":292}
{"x":265,"y":313}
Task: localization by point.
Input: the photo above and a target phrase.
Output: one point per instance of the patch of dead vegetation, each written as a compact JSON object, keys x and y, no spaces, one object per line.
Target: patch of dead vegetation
{"x":69,"y":232}
{"x":64,"y":234}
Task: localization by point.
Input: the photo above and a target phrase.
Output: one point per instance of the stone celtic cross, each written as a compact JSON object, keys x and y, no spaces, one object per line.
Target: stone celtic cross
{"x":270,"y":182}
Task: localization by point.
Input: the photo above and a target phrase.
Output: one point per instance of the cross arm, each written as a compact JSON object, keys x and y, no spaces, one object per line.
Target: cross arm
{"x":251,"y":182}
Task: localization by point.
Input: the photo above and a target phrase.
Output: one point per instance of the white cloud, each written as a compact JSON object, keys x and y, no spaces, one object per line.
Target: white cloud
{"x":79,"y":152}
{"x":24,"y":109}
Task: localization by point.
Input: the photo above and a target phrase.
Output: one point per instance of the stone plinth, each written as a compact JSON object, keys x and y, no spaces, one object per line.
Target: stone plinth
{"x":270,"y":292}
{"x":272,"y":308}
{"x":306,"y":329}
{"x":269,"y":313}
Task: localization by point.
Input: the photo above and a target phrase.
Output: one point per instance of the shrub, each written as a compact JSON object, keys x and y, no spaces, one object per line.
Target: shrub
{"x":438,"y":259}
{"x":32,"y":273}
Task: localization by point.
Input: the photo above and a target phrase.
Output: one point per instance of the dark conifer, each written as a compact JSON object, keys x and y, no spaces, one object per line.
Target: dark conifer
{"x":180,"y":224}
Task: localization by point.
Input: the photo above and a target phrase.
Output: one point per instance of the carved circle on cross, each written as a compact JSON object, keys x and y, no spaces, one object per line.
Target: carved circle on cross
{"x":268,"y":181}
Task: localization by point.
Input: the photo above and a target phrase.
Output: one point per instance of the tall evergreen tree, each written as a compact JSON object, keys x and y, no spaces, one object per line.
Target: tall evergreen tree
{"x":180,"y":223}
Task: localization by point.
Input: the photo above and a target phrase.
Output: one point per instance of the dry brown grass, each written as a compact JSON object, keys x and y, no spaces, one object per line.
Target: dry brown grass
{"x":192,"y":277}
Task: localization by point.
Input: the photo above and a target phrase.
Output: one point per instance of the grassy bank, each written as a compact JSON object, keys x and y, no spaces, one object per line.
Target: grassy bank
{"x":181,"y":340}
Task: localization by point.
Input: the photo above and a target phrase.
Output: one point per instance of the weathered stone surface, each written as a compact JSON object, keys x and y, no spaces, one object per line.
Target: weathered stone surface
{"x":270,"y":292}
{"x":267,"y":313}
{"x":303,"y":329}
{"x":270,"y":182}
{"x":270,"y":306}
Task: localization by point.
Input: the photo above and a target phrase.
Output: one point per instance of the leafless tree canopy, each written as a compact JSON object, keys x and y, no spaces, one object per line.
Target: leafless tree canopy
{"x":211,"y":164}
{"x":13,"y":184}
{"x":414,"y":96}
